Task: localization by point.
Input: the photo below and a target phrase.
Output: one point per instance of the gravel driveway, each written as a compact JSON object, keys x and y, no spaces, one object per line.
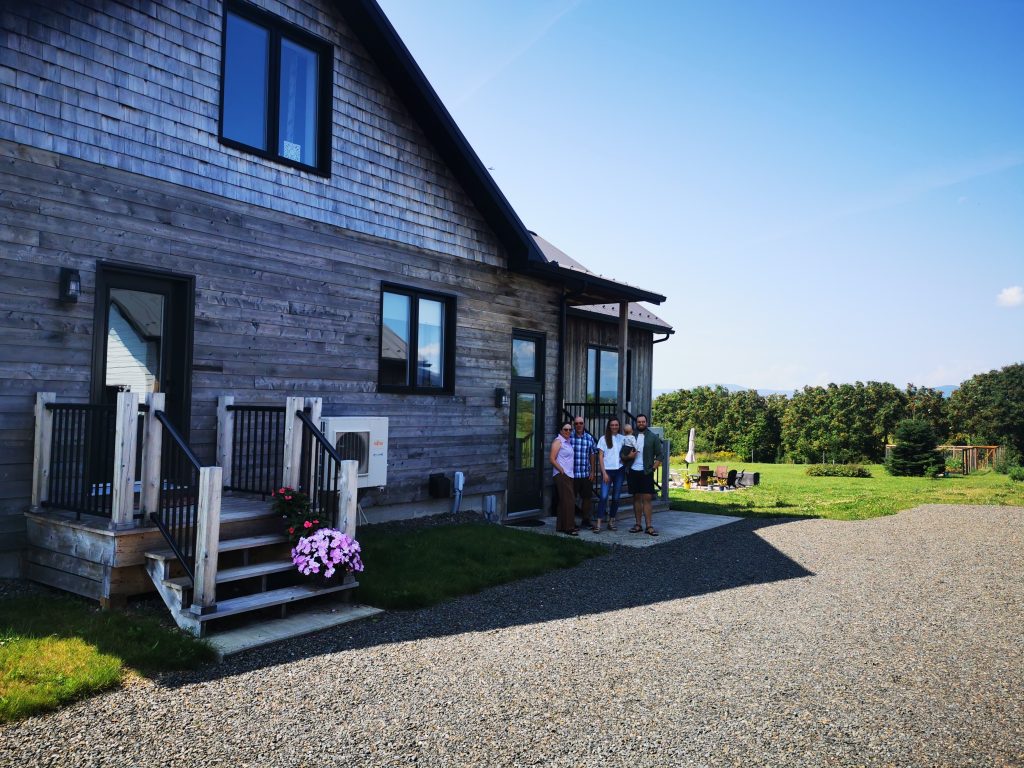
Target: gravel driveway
{"x":895,"y":641}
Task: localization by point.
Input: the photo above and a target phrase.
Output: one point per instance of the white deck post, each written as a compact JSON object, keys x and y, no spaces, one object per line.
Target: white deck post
{"x":292,"y":442}
{"x":225,"y":435}
{"x":122,"y":501}
{"x":152,"y":448}
{"x":43,"y":446}
{"x":623,"y":354}
{"x":348,"y":498}
{"x":666,"y":475}
{"x":204,"y":591}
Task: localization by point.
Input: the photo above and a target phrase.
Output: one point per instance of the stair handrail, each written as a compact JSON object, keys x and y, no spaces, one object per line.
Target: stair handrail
{"x":314,"y":466}
{"x":188,"y":509}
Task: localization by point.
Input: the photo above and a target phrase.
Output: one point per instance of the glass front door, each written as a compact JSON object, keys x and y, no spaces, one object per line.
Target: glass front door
{"x":526,"y":423}
{"x":143,"y":338}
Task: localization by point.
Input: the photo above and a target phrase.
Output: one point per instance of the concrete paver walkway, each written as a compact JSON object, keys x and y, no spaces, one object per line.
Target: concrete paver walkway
{"x":670,"y":525}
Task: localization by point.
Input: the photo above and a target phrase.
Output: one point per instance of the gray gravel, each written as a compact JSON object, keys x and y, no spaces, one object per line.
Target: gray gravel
{"x":895,"y":641}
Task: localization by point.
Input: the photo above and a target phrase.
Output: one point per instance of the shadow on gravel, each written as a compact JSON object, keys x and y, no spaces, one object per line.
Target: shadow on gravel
{"x":722,"y":558}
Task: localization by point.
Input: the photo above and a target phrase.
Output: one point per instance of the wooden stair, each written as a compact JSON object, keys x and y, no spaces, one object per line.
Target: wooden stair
{"x":255,"y":571}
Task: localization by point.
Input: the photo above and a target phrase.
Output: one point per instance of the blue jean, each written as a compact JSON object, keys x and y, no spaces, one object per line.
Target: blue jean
{"x":614,"y":485}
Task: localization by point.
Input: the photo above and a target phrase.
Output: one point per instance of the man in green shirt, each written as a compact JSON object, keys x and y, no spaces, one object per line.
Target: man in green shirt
{"x":647,"y":458}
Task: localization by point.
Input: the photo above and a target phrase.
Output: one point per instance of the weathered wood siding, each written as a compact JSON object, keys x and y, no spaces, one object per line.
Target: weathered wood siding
{"x":582,"y":333}
{"x":136,"y":86}
{"x":283,"y":306}
{"x":109,"y":150}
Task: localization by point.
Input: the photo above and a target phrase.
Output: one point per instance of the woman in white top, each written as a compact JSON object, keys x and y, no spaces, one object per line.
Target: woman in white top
{"x":609,"y":447}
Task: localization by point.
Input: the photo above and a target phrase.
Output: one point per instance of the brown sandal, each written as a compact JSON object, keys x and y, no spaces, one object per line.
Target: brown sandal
{"x":650,"y":531}
{"x":635,"y":529}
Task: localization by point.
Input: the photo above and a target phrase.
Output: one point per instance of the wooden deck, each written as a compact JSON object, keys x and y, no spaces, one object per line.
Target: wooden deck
{"x":88,"y":558}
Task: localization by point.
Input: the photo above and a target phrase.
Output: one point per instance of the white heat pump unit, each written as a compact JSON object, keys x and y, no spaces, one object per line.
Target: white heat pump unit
{"x":364,"y":439}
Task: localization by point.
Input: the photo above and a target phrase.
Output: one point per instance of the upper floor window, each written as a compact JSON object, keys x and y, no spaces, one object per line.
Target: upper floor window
{"x":603,"y":375}
{"x":417,"y":341}
{"x":275,"y":89}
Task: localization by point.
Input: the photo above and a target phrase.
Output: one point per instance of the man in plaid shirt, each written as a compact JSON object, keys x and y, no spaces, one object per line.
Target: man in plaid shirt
{"x":584,"y":467}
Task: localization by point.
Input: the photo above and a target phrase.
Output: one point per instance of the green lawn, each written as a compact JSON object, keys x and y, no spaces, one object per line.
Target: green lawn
{"x":785,"y":489}
{"x":417,"y":568}
{"x":55,"y":649}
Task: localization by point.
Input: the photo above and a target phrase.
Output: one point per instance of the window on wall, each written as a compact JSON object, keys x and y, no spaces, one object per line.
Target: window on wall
{"x":417,"y":341}
{"x":603,"y":375}
{"x":275,"y":89}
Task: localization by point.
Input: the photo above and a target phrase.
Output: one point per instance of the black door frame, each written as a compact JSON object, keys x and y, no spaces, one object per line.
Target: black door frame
{"x":176,"y":354}
{"x":527,"y":385}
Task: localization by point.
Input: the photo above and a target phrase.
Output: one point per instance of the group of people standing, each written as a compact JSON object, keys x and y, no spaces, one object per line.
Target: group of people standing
{"x":619,"y":455}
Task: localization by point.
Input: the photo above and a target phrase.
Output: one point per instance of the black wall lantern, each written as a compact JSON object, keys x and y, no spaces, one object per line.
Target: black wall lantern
{"x":500,"y":397}
{"x":70,"y":285}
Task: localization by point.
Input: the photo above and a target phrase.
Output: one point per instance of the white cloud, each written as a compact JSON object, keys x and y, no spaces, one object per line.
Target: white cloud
{"x":1011,"y":297}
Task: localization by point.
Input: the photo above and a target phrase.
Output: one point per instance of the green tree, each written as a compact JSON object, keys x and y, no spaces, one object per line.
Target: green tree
{"x":928,"y":405}
{"x":988,"y":408}
{"x":914,"y":453}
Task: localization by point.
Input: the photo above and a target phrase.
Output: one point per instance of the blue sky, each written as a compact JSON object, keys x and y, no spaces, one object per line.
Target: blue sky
{"x":824,"y":191}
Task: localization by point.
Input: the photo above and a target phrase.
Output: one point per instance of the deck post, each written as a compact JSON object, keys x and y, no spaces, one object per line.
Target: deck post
{"x":204,"y":592}
{"x":225,"y":435}
{"x":666,"y":474}
{"x":348,"y":498}
{"x":316,"y":406}
{"x":292,"y":443}
{"x":122,"y":500}
{"x":623,"y":355}
{"x":152,"y":448}
{"x":43,"y":447}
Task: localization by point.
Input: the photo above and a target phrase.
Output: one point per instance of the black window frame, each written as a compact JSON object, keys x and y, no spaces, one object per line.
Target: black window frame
{"x":450,"y":303}
{"x":599,"y":348}
{"x":278,"y":28}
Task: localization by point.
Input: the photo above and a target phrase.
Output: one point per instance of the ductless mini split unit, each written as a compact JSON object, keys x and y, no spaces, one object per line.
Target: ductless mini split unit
{"x":363,"y":439}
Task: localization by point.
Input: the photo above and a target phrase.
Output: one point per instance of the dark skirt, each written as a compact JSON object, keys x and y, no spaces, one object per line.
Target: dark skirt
{"x":566,"y":503}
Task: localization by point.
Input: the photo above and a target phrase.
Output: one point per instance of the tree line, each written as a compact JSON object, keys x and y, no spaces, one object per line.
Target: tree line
{"x":843,"y":423}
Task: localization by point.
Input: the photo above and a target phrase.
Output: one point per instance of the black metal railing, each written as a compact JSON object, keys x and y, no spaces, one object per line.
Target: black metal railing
{"x":177,"y":514}
{"x":81,"y":458}
{"x":595,"y":415}
{"x":319,"y":469}
{"x":257,"y":445}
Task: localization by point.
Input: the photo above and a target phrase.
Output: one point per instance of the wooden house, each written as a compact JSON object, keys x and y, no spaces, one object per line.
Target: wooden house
{"x":224,"y":222}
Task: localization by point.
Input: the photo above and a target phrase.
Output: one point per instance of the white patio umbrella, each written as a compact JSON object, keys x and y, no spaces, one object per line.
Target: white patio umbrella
{"x":690,"y":451}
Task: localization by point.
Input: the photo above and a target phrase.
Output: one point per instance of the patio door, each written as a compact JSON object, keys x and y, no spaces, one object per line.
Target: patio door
{"x":526,"y":423}
{"x":143,"y":338}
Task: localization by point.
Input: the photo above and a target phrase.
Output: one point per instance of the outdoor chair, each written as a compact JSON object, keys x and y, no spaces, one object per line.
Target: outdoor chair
{"x":731,"y":480}
{"x":721,"y":474}
{"x":704,"y":474}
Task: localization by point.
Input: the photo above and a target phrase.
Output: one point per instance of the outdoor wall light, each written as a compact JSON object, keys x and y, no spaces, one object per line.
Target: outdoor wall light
{"x":70,"y":285}
{"x":500,"y":397}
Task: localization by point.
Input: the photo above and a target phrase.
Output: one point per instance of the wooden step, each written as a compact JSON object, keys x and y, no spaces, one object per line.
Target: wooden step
{"x":228,"y":545}
{"x":270,"y":599}
{"x":237,"y":574}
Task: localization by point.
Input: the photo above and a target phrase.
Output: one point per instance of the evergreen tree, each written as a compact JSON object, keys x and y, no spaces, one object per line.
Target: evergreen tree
{"x":914,"y":453}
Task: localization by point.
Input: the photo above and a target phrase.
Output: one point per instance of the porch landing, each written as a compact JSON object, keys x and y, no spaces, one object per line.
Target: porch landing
{"x":306,"y":622}
{"x":670,"y":524}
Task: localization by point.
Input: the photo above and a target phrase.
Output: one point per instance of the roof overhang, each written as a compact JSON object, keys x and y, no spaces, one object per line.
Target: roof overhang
{"x":397,"y":64}
{"x":388,"y":51}
{"x":584,"y":288}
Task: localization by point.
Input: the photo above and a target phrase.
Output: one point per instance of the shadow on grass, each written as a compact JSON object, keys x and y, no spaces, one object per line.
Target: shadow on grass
{"x":722,"y":558}
{"x":740,"y":510}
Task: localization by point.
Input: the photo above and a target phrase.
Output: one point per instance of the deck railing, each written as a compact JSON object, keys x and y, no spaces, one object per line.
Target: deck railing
{"x":252,"y":458}
{"x":81,"y":465}
{"x":321,"y":475}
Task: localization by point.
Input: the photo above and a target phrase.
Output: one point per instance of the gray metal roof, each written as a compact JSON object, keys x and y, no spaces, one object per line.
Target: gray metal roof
{"x":638,"y":313}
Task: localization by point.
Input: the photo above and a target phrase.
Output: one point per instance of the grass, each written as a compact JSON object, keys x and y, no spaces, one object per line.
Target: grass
{"x":786,"y":490}
{"x":55,"y":650}
{"x":417,"y":568}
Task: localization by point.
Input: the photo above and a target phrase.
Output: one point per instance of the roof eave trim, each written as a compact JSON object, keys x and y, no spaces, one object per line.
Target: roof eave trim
{"x":386,"y":48}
